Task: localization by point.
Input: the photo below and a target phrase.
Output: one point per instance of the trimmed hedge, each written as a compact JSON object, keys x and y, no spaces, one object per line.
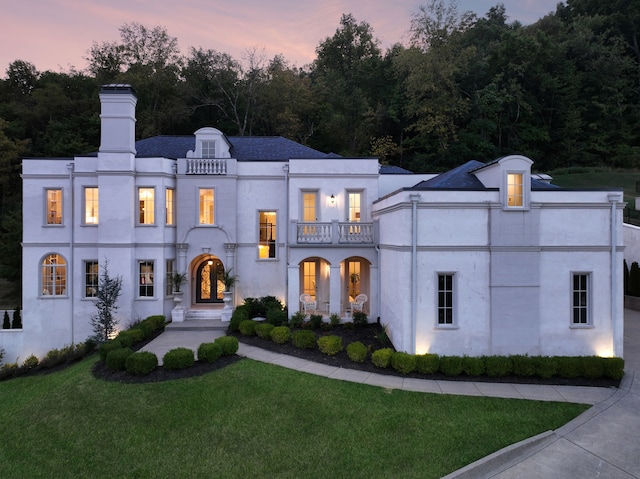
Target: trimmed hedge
{"x":247,"y":327}
{"x":427,"y":363}
{"x":382,"y":357}
{"x":117,"y":358}
{"x":330,"y":345}
{"x":498,"y":366}
{"x":263,"y":330}
{"x":473,"y":366}
{"x":229,"y":345}
{"x":304,"y":339}
{"x":209,"y":352}
{"x":108,"y":346}
{"x":178,"y":358}
{"x":241,"y":313}
{"x":451,"y":365}
{"x":280,"y":334}
{"x":141,"y":363}
{"x":357,"y":352}
{"x":402,"y":362}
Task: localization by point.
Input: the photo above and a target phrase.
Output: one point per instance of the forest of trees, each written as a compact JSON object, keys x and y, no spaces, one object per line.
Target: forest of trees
{"x":564,"y":91}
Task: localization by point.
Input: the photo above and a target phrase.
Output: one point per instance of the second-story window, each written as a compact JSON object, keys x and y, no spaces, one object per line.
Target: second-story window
{"x":169,"y":207}
{"x":91,"y":206}
{"x":355,"y":200}
{"x":146,"y":205}
{"x":54,"y":207}
{"x":206,"y":206}
{"x":267,"y":245}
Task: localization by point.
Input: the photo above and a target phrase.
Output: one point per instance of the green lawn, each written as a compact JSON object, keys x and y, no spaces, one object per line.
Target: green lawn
{"x":250,"y":420}
{"x":598,"y":178}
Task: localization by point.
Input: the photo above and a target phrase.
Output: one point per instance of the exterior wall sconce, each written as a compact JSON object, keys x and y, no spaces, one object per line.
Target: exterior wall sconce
{"x":332,"y":200}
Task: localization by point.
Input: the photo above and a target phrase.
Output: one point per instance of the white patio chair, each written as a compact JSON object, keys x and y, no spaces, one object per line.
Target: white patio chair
{"x":358,"y":303}
{"x":308,"y":303}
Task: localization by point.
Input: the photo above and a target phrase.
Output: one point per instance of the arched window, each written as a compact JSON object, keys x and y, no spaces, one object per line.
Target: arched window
{"x":54,"y":276}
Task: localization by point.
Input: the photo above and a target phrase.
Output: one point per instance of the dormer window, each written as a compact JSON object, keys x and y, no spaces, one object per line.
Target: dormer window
{"x":515,"y":191}
{"x":208,"y":149}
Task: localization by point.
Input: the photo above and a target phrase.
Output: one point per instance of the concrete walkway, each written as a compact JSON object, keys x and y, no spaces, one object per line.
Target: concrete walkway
{"x":603,"y":442}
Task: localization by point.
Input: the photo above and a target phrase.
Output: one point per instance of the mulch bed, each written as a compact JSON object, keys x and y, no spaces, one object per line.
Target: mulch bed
{"x":368,"y":336}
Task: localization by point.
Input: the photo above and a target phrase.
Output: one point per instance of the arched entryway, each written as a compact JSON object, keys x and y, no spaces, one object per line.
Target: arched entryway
{"x":208,"y":281}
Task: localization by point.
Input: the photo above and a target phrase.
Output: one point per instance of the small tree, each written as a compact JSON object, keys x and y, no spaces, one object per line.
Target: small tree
{"x":109,"y":289}
{"x":17,"y":319}
{"x":6,"y":323}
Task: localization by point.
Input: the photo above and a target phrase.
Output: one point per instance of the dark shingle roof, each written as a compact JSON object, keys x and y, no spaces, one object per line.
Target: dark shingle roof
{"x":243,"y":148}
{"x":462,"y":178}
{"x":393,"y":170}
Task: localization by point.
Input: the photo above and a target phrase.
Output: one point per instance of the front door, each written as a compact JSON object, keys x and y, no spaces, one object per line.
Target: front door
{"x":209,"y":286}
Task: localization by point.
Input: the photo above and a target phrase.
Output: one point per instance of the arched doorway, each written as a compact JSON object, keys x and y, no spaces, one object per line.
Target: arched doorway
{"x":208,"y":281}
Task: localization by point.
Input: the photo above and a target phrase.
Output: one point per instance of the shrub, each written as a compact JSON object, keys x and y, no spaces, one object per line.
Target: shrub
{"x":473,"y":366}
{"x":178,"y":358}
{"x":29,"y":363}
{"x":263,"y":330}
{"x":241,"y":313}
{"x":157,"y":321}
{"x":108,"y":346}
{"x":297,"y":319}
{"x":357,"y":352}
{"x":569,"y":366}
{"x":209,"y":352}
{"x":498,"y":366}
{"x":382,"y":357}
{"x":280,"y":334}
{"x":130,"y":337}
{"x":334,"y":319}
{"x":360,"y":318}
{"x":592,"y":367}
{"x":523,"y":365}
{"x":247,"y":327}
{"x":8,"y":369}
{"x":229,"y":345}
{"x":348,"y":325}
{"x":315,"y":320}
{"x":427,"y":363}
{"x":52,"y":358}
{"x":142,"y":362}
{"x":304,"y":339}
{"x":330,"y":345}
{"x":451,"y":365}
{"x":276,"y":316}
{"x":117,"y":358}
{"x":544,"y":366}
{"x":613,"y":368}
{"x":402,"y":362}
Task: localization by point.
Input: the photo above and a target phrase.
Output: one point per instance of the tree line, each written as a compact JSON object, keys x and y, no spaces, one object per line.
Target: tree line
{"x":564,"y":91}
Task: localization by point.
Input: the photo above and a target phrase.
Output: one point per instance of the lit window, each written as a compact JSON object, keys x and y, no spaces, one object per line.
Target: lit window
{"x":170,"y":270}
{"x":354,"y":206}
{"x":145,"y":279}
{"x":445,"y":299}
{"x":267,"y":246}
{"x":581,"y":314}
{"x":515,"y":197}
{"x":169,"y":206}
{"x":208,"y":149}
{"x":54,"y":207}
{"x":91,"y":279}
{"x":309,"y":202}
{"x":54,"y":276}
{"x":206,"y":206}
{"x":146,"y":205}
{"x":91,"y":206}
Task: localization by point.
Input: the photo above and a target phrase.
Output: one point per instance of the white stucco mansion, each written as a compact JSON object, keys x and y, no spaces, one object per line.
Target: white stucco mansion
{"x":483,"y":259}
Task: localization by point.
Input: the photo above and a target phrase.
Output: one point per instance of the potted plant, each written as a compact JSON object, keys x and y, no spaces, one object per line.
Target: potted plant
{"x":177,"y":279}
{"x":229,"y":280}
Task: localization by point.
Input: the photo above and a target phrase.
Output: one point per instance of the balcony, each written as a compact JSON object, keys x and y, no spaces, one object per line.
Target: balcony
{"x":206,"y":166}
{"x":334,"y":233}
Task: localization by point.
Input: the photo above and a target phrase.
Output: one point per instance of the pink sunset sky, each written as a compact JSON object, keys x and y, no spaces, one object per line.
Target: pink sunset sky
{"x":56,"y":34}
